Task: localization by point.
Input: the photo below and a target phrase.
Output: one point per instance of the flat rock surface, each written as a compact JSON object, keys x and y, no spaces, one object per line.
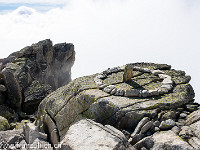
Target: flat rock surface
{"x":86,"y":134}
{"x":82,"y":98}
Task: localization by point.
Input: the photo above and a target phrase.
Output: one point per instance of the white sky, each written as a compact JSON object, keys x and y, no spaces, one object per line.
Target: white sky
{"x":108,"y":33}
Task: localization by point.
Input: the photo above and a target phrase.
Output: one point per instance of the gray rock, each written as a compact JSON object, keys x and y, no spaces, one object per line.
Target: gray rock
{"x":156,"y":72}
{"x":180,"y":109}
{"x":168,"y":115}
{"x":146,"y":142}
{"x":169,"y":140}
{"x":109,"y":88}
{"x":156,"y":123}
{"x":31,"y":133}
{"x":86,"y":134}
{"x":144,"y":93}
{"x":195,"y":142}
{"x":153,"y":92}
{"x":4,"y":125}
{"x":140,"y":125}
{"x":176,"y":130}
{"x":195,"y":127}
{"x":146,"y":127}
{"x":167,"y":124}
{"x":167,"y":86}
{"x":156,"y":129}
{"x":193,"y":117}
{"x":183,"y":115}
{"x":119,"y":92}
{"x":113,"y":91}
{"x":134,"y":139}
{"x":132,"y":92}
{"x":185,"y":132}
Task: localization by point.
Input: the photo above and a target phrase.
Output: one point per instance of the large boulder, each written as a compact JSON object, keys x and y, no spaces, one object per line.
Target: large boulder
{"x":108,"y":99}
{"x":87,"y":134}
{"x":33,"y":72}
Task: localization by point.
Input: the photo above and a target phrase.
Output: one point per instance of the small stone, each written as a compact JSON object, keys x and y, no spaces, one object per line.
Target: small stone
{"x":97,"y":80}
{"x":146,"y":127}
{"x":176,"y":130}
{"x":183,"y":115}
{"x":103,"y":86}
{"x":131,"y":92}
{"x":163,"y":76}
{"x":142,"y":122}
{"x":147,"y":70}
{"x":185,"y":132}
{"x":167,"y":81}
{"x":145,"y":93}
{"x":167,"y":86}
{"x":113,"y":91}
{"x":156,"y":129}
{"x":101,"y":76}
{"x":153,"y":92}
{"x":156,"y":123}
{"x":156,"y":72}
{"x":109,"y":88}
{"x":167,"y":124}
{"x":128,"y":73}
{"x":137,"y":137}
{"x":119,"y":92}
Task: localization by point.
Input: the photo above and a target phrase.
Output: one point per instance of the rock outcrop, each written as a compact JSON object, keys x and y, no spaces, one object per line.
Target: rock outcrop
{"x":29,"y":75}
{"x":156,"y":92}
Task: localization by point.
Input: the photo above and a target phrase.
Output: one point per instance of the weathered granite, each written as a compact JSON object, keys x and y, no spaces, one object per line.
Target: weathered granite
{"x":84,"y":98}
{"x":35,"y":71}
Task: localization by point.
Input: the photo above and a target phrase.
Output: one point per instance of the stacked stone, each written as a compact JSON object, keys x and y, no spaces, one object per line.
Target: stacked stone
{"x":167,"y":83}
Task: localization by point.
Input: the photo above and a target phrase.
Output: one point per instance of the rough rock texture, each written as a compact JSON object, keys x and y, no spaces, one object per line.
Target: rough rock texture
{"x":87,"y":134}
{"x":92,"y":97}
{"x":30,"y":74}
{"x":168,"y":140}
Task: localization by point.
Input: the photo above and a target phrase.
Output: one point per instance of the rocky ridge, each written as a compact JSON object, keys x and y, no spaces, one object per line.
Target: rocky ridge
{"x":136,"y":106}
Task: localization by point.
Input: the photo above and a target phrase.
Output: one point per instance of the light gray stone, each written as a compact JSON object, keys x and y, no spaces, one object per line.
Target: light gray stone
{"x":145,"y":93}
{"x":140,"y":125}
{"x":167,"y":124}
{"x":157,"y":72}
{"x":193,"y":117}
{"x":134,"y":139}
{"x":146,"y":142}
{"x":195,"y":127}
{"x":109,"y":88}
{"x":86,"y":134}
{"x":31,"y":133}
{"x":119,"y":92}
{"x":146,"y":127}
{"x":131,"y":92}
{"x":163,"y":76}
{"x":113,"y":91}
{"x":183,"y":115}
{"x":153,"y":92}
{"x":185,"y":132}
{"x":176,"y":130}
{"x":156,"y":123}
{"x":4,"y":125}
